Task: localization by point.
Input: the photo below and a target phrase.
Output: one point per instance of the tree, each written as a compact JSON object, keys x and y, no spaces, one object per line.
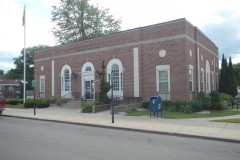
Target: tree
{"x":1,"y":72}
{"x":17,"y":73}
{"x":78,"y":20}
{"x":236,"y":70}
{"x":223,"y":81}
{"x":231,"y":79}
{"x":104,"y":87}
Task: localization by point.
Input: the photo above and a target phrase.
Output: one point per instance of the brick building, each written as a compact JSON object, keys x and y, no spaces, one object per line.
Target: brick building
{"x":172,"y":59}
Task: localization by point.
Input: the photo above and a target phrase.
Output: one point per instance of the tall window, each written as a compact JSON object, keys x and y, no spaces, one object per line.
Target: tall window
{"x":115,"y":68}
{"x":216,"y":81}
{"x":42,"y":84}
{"x":163,"y":81}
{"x":212,"y":81}
{"x":190,"y":80}
{"x":10,"y":88}
{"x":67,"y":80}
{"x":208,"y":78}
{"x":202,"y":80}
{"x":115,"y":72}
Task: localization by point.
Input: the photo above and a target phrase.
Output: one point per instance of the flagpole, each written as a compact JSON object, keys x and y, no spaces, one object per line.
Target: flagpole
{"x":24,"y":72}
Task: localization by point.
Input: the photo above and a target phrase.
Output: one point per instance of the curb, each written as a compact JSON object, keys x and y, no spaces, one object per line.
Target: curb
{"x":132,"y":129}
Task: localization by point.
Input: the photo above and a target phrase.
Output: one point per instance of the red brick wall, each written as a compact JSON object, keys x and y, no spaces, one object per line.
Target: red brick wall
{"x":120,"y":46}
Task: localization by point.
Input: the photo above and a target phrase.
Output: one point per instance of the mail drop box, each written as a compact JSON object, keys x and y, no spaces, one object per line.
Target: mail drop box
{"x":155,"y":104}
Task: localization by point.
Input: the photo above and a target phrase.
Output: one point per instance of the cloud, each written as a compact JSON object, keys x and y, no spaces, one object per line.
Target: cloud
{"x":225,"y":34}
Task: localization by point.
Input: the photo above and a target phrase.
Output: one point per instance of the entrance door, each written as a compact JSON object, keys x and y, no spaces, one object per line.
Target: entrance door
{"x":89,"y":89}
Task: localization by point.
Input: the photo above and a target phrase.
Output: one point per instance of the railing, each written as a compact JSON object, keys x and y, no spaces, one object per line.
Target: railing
{"x":164,"y":96}
{"x":73,"y":96}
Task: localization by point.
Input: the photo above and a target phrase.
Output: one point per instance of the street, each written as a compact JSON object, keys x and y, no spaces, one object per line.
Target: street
{"x":22,"y":139}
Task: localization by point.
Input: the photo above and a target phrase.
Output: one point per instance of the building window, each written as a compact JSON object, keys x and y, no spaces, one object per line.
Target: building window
{"x":202,"y":80}
{"x":10,"y":88}
{"x":216,"y":81}
{"x":88,"y":69}
{"x":67,"y":80}
{"x":1,"y":87}
{"x":208,"y":78}
{"x":190,"y":80}
{"x":115,"y":72}
{"x":212,"y":81}
{"x":115,"y":68}
{"x":42,"y":86}
{"x":163,"y":81}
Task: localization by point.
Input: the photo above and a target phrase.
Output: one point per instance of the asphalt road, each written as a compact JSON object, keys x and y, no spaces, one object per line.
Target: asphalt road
{"x":22,"y":139}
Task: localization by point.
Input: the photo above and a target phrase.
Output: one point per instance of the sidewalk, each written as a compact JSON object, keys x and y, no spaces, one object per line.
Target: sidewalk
{"x":197,"y":127}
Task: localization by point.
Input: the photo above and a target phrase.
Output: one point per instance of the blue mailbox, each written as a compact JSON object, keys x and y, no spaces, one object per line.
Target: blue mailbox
{"x":155,"y":105}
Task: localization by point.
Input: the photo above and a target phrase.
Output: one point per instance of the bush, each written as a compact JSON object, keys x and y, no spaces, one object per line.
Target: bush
{"x":43,"y":103}
{"x":131,"y":110}
{"x":40,"y":103}
{"x":87,"y":107}
{"x":186,"y":108}
{"x":215,"y":101}
{"x":176,"y":106}
{"x":59,"y":101}
{"x":145,"y":104}
{"x":196,"y":106}
{"x":12,"y":101}
{"x":29,"y":103}
{"x":166,"y":104}
{"x":205,"y":101}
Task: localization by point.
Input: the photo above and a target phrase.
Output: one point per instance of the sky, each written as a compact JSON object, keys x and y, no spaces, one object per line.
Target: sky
{"x":219,"y":20}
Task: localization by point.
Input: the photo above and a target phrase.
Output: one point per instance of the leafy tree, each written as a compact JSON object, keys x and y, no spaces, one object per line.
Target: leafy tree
{"x":104,"y":87}
{"x":17,"y":73}
{"x":223,"y":81}
{"x":236,"y":70}
{"x":1,"y":72}
{"x":231,"y":79}
{"x":78,"y":20}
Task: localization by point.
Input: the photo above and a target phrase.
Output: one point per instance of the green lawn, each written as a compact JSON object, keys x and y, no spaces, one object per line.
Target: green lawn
{"x":18,"y":106}
{"x":180,"y":115}
{"x":235,"y":120}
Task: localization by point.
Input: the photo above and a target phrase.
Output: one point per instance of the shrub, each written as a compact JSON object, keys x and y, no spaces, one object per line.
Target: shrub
{"x":42,"y":103}
{"x":201,"y":97}
{"x":176,"y":106}
{"x":87,"y":107}
{"x":145,"y":104}
{"x":166,"y":104}
{"x":196,"y":106}
{"x":59,"y":101}
{"x":131,"y":110}
{"x":29,"y":103}
{"x":12,"y":101}
{"x":186,"y":108}
{"x":215,"y":103}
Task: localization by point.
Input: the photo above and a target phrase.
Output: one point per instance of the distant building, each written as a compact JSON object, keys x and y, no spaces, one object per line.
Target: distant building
{"x":9,"y":88}
{"x":173,"y":59}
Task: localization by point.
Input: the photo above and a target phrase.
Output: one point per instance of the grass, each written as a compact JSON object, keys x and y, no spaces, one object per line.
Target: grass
{"x":235,"y":120}
{"x":181,"y":115}
{"x":18,"y":106}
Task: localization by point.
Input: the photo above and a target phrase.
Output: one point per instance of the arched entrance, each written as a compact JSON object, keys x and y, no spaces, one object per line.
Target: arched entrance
{"x":88,"y":84}
{"x":66,"y":82}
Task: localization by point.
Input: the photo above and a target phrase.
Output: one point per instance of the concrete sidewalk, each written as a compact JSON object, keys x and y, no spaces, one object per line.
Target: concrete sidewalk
{"x":197,"y":127}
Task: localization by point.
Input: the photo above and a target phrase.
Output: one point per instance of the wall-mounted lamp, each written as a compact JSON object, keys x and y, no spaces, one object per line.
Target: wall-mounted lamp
{"x":74,"y":75}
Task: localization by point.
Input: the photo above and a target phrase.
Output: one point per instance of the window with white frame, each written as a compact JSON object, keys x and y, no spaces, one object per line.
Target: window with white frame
{"x":10,"y":88}
{"x":216,"y":81}
{"x":202,"y":79}
{"x":212,"y":81}
{"x":67,"y":80}
{"x":115,"y":68}
{"x":208,"y":78}
{"x":42,"y":83}
{"x":163,"y":78}
{"x":191,"y":78}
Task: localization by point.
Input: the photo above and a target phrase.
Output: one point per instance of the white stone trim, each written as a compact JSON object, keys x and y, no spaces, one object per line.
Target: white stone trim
{"x":53,"y":79}
{"x":136,"y":71}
